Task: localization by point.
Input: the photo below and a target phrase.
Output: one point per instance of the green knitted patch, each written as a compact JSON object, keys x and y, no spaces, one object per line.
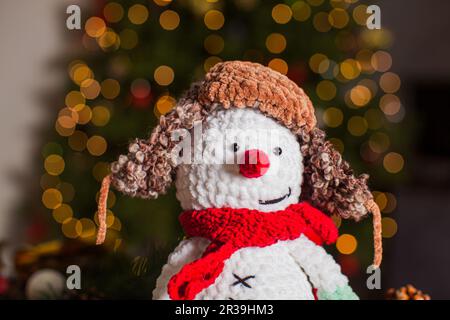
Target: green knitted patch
{"x":342,"y":293}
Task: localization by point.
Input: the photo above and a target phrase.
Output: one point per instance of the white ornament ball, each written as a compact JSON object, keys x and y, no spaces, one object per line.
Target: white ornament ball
{"x":45,"y":284}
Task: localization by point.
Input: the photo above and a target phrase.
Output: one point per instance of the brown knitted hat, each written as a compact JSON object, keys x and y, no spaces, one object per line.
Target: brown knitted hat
{"x":329,"y":183}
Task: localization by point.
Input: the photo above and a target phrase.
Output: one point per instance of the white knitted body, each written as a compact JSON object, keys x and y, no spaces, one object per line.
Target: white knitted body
{"x":285,"y":270}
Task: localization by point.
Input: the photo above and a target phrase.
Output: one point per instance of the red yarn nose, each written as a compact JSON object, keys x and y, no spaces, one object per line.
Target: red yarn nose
{"x":256,"y":163}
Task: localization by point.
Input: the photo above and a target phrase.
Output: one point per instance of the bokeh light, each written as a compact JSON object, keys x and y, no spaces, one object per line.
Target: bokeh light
{"x":281,"y":13}
{"x":276,"y":43}
{"x":338,"y":18}
{"x":100,"y":116}
{"x":96,"y":145}
{"x":62,"y":213}
{"x":346,"y":244}
{"x":77,"y":141}
{"x":211,"y":62}
{"x":72,"y":228}
{"x":95,"y":27}
{"x":389,"y":227}
{"x":279,"y":65}
{"x":54,"y":164}
{"x":164,"y":75}
{"x":113,"y":12}
{"x":360,"y":95}
{"x":52,"y":198}
{"x":169,"y":20}
{"x":138,"y":14}
{"x":165,"y":104}
{"x":321,"y":22}
{"x":301,"y":11}
{"x":333,"y":117}
{"x":357,"y":126}
{"x":128,"y":39}
{"x":393,"y":162}
{"x":214,"y":44}
{"x":90,"y":88}
{"x":214,"y":19}
{"x":390,"y":82}
{"x":110,"y":88}
{"x":326,"y":90}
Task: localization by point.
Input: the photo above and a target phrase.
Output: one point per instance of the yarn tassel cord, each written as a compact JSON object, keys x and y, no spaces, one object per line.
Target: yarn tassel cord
{"x":377,"y":240}
{"x":101,"y":212}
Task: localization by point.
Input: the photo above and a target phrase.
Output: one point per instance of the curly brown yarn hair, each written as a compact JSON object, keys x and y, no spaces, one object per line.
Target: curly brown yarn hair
{"x":329,"y":183}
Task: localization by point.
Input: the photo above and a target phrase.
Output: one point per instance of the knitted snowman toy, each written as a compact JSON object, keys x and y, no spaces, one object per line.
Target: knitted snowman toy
{"x":257,"y":182}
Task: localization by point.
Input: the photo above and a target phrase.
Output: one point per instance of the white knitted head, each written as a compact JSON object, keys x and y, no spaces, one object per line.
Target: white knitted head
{"x":215,"y":180}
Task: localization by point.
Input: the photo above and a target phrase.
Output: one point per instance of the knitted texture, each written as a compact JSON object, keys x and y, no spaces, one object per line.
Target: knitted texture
{"x":250,"y":85}
{"x":148,"y":169}
{"x":288,"y":270}
{"x":232,"y":229}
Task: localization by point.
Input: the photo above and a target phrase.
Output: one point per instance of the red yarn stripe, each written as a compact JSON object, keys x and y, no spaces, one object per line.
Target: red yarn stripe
{"x":232,"y":229}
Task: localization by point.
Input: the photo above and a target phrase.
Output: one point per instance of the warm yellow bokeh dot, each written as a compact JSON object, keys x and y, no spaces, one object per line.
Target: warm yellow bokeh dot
{"x":64,"y":132}
{"x":109,"y":40}
{"x":95,"y":27}
{"x":319,"y":63}
{"x":80,"y":72}
{"x":390,"y":82}
{"x":54,"y":164}
{"x":88,"y":228}
{"x":281,"y":13}
{"x":346,"y":244}
{"x":350,"y":69}
{"x":90,"y":88}
{"x":301,"y":11}
{"x":338,"y":18}
{"x":381,"y":61}
{"x":279,"y":65}
{"x":169,"y":20}
{"x":110,"y":88}
{"x":326,"y":90}
{"x":214,"y":19}
{"x":393,"y":162}
{"x":364,"y":58}
{"x":211,"y":62}
{"x":84,"y":115}
{"x":67,"y":118}
{"x":390,"y":104}
{"x":321,"y":23}
{"x":333,"y":117}
{"x":96,"y":145}
{"x":128,"y":39}
{"x":389,"y":227}
{"x":214,"y":44}
{"x":360,"y":95}
{"x":101,"y":170}
{"x":72,"y":228}
{"x":379,"y":142}
{"x":338,"y":144}
{"x":77,"y":141}
{"x":276,"y":43}
{"x":62,"y":213}
{"x":164,"y":75}
{"x":357,"y":126}
{"x":391,"y":204}
{"x":138,"y":14}
{"x":360,"y":15}
{"x":100,"y":116}
{"x":381,"y":199}
{"x":74,"y":99}
{"x":52,"y":198}
{"x":162,"y":3}
{"x":113,"y":12}
{"x":165,"y":104}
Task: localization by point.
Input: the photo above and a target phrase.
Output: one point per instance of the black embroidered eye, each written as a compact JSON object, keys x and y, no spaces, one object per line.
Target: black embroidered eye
{"x":180,"y":153}
{"x":277,"y":151}
{"x":235,"y":147}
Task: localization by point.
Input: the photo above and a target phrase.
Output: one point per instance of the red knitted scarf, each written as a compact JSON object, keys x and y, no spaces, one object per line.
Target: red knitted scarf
{"x":232,"y":229}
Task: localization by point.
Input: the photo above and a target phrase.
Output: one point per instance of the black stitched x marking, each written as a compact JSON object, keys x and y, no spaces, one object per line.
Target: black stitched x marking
{"x":242,"y":281}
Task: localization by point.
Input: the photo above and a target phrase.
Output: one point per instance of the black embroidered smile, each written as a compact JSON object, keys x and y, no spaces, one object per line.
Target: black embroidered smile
{"x":273,"y":201}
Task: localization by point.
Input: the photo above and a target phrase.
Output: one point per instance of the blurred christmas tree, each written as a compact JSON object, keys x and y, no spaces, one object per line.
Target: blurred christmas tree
{"x":134,"y":58}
